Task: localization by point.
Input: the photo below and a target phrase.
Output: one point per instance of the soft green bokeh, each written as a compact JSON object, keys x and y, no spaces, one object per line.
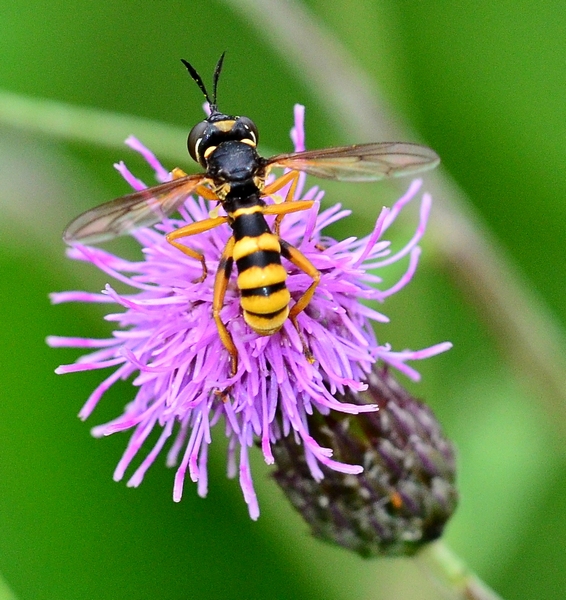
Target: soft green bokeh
{"x":484,"y":83}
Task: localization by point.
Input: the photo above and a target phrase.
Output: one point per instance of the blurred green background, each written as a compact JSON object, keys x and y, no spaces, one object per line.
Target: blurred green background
{"x":484,"y":85}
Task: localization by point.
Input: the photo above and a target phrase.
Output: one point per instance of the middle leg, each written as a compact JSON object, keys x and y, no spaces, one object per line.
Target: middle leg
{"x":193,"y":229}
{"x":302,"y":262}
{"x":293,"y":177}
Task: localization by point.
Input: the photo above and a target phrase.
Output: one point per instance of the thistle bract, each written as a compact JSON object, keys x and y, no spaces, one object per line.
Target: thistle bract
{"x":407,"y":491}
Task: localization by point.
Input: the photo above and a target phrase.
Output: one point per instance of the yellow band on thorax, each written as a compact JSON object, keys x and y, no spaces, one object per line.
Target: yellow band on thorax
{"x":248,"y":210}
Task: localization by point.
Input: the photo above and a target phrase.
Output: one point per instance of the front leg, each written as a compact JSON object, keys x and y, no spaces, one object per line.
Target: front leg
{"x":291,"y":176}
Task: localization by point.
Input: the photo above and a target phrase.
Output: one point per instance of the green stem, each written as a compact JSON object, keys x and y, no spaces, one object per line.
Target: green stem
{"x":90,"y":125}
{"x":94,"y":126}
{"x":451,"y":574}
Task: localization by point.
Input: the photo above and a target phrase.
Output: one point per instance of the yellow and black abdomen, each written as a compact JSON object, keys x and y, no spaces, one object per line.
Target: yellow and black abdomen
{"x":264,"y":297}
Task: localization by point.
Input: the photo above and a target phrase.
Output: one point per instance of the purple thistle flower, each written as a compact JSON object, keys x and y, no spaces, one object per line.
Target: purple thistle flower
{"x":166,"y":338}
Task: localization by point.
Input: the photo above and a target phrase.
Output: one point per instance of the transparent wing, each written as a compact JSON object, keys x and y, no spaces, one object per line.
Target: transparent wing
{"x":124,"y":215}
{"x":362,"y":162}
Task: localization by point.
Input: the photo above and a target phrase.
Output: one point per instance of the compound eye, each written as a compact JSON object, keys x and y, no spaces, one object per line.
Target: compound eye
{"x":250,"y":128}
{"x":195,"y":138}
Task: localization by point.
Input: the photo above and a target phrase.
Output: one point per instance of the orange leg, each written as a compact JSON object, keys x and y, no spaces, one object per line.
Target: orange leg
{"x":302,"y":262}
{"x":207,"y":193}
{"x":293,"y":177}
{"x":193,"y":229}
{"x":283,"y":209}
{"x":220,"y":286}
{"x":280,"y":182}
{"x":177,"y":173}
{"x":201,"y":190}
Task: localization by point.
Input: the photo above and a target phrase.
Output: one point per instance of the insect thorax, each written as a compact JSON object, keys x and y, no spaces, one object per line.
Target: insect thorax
{"x":235,"y":164}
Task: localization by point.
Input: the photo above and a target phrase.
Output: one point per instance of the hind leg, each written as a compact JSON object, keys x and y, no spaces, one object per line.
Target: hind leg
{"x":302,"y":262}
{"x":220,"y":286}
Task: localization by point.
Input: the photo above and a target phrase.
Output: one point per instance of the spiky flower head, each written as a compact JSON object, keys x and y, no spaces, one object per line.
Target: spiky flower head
{"x":166,"y":340}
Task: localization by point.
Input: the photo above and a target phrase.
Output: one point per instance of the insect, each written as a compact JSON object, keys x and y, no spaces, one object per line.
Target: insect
{"x":235,"y":177}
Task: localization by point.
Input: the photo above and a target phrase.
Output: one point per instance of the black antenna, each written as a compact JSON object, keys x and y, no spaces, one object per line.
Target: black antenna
{"x":217,"y":75}
{"x":199,"y":82}
{"x":198,"y":79}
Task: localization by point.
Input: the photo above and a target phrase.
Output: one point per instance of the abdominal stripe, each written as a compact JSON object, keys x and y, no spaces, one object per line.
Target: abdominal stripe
{"x":265,"y":291}
{"x":268,"y":316}
{"x":260,"y":258}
